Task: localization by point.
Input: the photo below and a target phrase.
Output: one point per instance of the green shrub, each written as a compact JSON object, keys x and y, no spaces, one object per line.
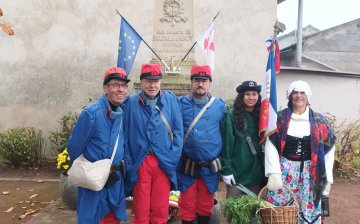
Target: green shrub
{"x":347,"y":154}
{"x":355,"y":162}
{"x":229,"y":104}
{"x":60,"y":137}
{"x":21,"y":146}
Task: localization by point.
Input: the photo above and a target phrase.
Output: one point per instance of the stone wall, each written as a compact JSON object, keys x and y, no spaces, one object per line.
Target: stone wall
{"x":338,"y":47}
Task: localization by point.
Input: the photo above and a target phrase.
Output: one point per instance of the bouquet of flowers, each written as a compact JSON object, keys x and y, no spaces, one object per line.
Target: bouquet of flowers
{"x":63,"y":161}
{"x":173,"y":205}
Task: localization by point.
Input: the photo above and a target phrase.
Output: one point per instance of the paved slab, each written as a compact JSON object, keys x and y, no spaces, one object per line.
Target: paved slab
{"x":27,"y":179}
{"x":52,"y":214}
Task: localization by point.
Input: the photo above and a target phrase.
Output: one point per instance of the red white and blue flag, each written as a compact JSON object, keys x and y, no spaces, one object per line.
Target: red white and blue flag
{"x":268,"y":109}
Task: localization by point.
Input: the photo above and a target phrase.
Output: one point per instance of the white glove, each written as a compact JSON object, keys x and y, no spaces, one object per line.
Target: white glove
{"x":326,"y":191}
{"x":274,"y":182}
{"x":229,"y":180}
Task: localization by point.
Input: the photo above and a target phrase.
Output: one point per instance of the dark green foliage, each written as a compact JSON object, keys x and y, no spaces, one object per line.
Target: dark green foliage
{"x":60,"y":137}
{"x":242,"y":210}
{"x":229,"y":104}
{"x":21,"y":146}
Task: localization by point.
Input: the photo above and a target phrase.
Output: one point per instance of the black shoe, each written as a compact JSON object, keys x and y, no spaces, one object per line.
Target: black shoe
{"x":203,"y":219}
{"x":186,"y":222}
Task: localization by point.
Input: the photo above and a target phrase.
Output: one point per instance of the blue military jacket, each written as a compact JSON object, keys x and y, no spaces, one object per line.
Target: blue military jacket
{"x":204,"y":141}
{"x":145,"y":130}
{"x":94,"y":135}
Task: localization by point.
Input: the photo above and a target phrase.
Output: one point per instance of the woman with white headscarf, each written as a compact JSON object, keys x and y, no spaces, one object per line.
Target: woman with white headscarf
{"x":300,"y":155}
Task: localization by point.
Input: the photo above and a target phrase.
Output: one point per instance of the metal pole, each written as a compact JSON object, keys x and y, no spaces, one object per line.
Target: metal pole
{"x":299,"y":35}
{"x":177,"y":67}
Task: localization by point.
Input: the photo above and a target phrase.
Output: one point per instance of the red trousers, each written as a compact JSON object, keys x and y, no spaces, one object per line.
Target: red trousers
{"x":195,"y":200}
{"x":151,"y":193}
{"x":110,"y":218}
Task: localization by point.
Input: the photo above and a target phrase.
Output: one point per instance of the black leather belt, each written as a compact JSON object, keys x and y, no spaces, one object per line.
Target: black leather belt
{"x":202,"y":164}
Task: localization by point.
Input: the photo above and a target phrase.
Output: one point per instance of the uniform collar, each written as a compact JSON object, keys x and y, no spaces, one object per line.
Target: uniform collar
{"x":142,"y":100}
{"x":201,"y":102}
{"x":109,"y":112}
{"x":191,"y":96}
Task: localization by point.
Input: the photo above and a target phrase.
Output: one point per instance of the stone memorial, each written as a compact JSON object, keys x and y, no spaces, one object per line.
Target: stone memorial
{"x":173,"y":36}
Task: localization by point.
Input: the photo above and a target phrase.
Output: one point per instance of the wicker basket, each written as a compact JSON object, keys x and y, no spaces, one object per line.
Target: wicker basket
{"x":280,"y":214}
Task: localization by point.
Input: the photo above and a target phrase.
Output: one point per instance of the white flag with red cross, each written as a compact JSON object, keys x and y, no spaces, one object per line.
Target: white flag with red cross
{"x":207,"y":45}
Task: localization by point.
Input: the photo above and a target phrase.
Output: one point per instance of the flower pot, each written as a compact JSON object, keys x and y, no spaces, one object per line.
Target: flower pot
{"x":68,"y":192}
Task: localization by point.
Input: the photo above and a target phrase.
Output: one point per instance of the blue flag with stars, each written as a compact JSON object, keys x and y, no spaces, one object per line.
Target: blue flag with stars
{"x":129,"y":42}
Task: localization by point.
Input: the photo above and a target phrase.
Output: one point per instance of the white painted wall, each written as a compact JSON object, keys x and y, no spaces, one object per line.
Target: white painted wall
{"x":334,"y":93}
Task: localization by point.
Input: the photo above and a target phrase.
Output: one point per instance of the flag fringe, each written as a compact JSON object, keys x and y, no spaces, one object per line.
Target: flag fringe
{"x":267,"y":135}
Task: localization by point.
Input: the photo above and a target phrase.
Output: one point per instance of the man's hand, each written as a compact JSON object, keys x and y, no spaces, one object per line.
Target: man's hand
{"x":274,"y":182}
{"x":229,"y":180}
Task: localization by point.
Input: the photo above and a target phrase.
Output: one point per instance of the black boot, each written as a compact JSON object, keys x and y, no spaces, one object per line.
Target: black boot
{"x":203,"y":219}
{"x":186,"y":222}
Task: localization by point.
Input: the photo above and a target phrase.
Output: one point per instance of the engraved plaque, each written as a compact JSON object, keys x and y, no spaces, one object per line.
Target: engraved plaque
{"x":174,"y":30}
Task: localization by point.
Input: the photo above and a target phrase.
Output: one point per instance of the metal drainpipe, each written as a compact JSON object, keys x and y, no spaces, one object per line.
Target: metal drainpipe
{"x":299,"y":34}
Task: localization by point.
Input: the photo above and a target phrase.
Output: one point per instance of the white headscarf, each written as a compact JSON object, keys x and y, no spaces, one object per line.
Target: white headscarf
{"x":300,"y":86}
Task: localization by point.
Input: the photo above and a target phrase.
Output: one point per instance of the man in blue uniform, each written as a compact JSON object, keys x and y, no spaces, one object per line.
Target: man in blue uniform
{"x":198,"y":173}
{"x":154,"y":134}
{"x":94,"y":135}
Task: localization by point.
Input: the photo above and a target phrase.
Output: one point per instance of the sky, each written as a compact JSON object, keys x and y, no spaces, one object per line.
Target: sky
{"x":321,"y":14}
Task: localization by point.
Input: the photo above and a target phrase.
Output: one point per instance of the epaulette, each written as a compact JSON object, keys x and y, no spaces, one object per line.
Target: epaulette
{"x":163,"y":92}
{"x":93,"y":107}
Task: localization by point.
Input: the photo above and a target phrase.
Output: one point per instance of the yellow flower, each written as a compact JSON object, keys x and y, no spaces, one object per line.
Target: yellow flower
{"x":63,"y":161}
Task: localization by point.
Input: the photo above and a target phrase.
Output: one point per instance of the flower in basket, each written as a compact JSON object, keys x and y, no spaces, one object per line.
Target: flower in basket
{"x":63,"y":161}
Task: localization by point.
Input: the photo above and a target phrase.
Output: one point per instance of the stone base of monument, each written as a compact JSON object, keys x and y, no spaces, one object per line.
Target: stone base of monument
{"x":178,"y":84}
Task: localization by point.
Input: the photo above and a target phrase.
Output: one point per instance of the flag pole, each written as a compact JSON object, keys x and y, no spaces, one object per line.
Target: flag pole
{"x":177,"y":67}
{"x":162,"y":61}
{"x":195,"y":43}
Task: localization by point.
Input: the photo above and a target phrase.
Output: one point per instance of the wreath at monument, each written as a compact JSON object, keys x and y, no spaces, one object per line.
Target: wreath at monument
{"x":173,"y":11}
